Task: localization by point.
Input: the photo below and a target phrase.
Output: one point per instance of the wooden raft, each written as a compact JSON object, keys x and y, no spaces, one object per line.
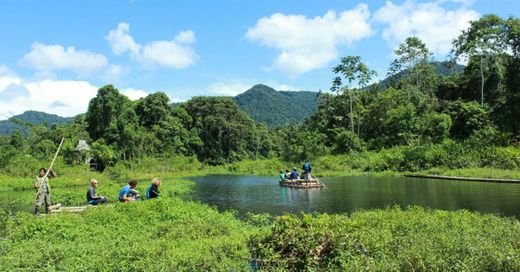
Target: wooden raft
{"x":301,"y":183}
{"x":72,"y":209}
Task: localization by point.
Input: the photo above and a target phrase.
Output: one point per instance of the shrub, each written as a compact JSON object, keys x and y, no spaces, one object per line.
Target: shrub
{"x":390,"y":240}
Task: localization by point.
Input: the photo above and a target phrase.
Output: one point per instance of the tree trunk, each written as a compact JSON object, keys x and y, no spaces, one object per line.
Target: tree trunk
{"x":351,"y":117}
{"x":482,"y":85}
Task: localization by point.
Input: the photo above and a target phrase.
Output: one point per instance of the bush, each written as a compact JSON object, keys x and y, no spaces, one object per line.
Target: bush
{"x":390,"y":240}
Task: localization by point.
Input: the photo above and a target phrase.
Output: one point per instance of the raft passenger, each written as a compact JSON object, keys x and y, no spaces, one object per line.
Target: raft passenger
{"x":287,"y":174}
{"x":282,"y":176}
{"x":294,"y":174}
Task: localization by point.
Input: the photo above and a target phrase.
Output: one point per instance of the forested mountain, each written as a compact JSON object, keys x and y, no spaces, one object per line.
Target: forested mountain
{"x":266,"y":105}
{"x":443,"y":68}
{"x":20,"y":122}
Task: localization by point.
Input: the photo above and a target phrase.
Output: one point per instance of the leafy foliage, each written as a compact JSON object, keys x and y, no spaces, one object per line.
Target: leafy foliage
{"x":390,"y":240}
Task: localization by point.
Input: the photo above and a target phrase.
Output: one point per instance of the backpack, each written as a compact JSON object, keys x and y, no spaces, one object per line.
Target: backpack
{"x":148,"y":191}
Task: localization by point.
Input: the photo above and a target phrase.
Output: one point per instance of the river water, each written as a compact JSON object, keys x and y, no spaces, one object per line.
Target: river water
{"x":348,"y":194}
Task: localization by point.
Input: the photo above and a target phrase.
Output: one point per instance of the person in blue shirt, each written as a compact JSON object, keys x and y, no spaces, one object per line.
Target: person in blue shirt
{"x":294,"y":174}
{"x":129,"y":193}
{"x":306,"y":169}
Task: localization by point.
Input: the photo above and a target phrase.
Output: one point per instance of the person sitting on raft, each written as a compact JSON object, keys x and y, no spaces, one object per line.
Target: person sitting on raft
{"x":282,"y":176}
{"x":153,"y":190}
{"x":129,"y":193}
{"x":287,"y":174}
{"x":92,"y":197}
{"x":294,"y":174}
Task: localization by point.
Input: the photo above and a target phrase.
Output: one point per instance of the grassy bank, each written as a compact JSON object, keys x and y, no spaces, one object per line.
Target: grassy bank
{"x":162,"y":235}
{"x":170,"y":234}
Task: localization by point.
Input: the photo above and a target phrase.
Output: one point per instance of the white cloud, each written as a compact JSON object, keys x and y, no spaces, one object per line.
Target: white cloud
{"x":432,"y":23}
{"x":463,"y":2}
{"x":134,"y":94}
{"x":186,"y":37}
{"x":113,"y":73}
{"x":305,"y":44}
{"x":120,"y":41}
{"x":65,"y":98}
{"x":175,"y":54}
{"x":6,"y":71}
{"x":7,"y":80}
{"x":61,"y":97}
{"x":229,"y":88}
{"x":48,"y":58}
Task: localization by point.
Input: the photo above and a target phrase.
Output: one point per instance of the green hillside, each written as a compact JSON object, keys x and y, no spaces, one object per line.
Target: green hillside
{"x":444,"y":68}
{"x":20,"y":122}
{"x":266,"y":105}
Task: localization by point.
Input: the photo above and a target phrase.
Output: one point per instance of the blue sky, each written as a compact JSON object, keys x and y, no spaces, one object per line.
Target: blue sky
{"x":55,"y":54}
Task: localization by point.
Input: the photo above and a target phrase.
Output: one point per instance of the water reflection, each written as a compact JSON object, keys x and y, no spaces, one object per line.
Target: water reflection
{"x":348,"y":194}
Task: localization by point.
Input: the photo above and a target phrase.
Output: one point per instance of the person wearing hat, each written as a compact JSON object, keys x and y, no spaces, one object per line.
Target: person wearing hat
{"x":153,"y":190}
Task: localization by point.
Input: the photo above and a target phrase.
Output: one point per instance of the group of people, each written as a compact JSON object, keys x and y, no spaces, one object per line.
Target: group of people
{"x":126,"y":194}
{"x":294,"y":175}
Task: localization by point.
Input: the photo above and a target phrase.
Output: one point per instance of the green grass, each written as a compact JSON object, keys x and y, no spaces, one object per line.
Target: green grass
{"x":476,"y":173}
{"x":173,"y":235}
{"x":390,"y":240}
{"x":159,"y":235}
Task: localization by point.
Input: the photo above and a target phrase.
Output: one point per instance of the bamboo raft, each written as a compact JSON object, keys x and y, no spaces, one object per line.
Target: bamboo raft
{"x":72,"y":209}
{"x":302,"y":183}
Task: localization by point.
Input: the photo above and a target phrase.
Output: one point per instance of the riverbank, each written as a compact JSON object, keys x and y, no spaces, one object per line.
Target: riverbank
{"x":171,"y":234}
{"x":174,"y":234}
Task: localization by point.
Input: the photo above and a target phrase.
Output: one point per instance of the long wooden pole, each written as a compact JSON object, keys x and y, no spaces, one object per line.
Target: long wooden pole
{"x":54,"y":159}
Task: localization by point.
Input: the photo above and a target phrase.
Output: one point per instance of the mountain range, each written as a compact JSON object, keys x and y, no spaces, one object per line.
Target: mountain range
{"x":262,"y":103}
{"x":28,"y":118}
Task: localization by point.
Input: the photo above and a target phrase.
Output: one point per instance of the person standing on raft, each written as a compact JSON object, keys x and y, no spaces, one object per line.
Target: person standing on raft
{"x":306,"y":169}
{"x":43,"y":194}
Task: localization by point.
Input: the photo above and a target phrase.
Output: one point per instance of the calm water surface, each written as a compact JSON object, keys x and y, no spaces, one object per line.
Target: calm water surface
{"x":347,"y":194}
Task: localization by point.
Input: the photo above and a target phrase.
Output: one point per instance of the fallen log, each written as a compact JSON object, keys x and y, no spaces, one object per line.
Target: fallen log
{"x":496,"y":180}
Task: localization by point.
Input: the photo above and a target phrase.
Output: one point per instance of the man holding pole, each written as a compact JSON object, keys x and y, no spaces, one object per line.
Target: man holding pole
{"x":41,"y":184}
